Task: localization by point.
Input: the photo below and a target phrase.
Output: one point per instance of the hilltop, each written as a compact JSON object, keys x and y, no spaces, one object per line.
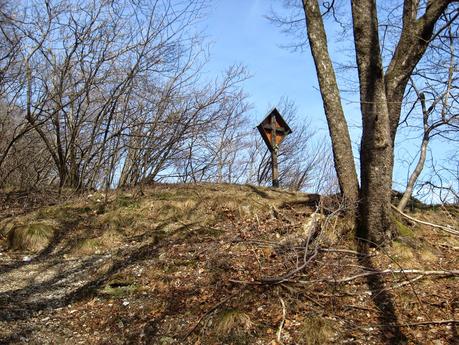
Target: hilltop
{"x":218,"y":264}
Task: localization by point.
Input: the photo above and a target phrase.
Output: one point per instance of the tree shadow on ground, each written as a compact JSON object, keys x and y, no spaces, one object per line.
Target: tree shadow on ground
{"x":454,"y":340}
{"x":391,"y":330}
{"x":59,"y":235}
{"x":23,"y":303}
{"x":260,"y":192}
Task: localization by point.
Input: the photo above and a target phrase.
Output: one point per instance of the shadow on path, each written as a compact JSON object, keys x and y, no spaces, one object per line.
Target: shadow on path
{"x":78,"y":281}
{"x":454,"y":340}
{"x":391,"y":332}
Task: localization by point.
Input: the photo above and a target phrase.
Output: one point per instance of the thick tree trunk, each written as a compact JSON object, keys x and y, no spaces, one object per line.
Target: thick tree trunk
{"x":337,"y":124}
{"x":376,"y":146}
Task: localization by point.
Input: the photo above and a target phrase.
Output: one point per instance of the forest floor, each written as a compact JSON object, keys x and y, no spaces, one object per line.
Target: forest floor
{"x":219,"y":264}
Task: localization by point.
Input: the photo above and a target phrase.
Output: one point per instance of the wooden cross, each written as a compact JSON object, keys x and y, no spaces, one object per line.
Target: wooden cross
{"x":273,"y":130}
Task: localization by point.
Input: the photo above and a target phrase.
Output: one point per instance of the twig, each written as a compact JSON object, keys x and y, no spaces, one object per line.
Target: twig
{"x":350,"y":306}
{"x":279,"y":331}
{"x":346,"y":251}
{"x":245,"y":282}
{"x":448,"y":229}
{"x":403,"y":283}
{"x":306,"y":261}
{"x":314,"y":301}
{"x":285,"y":277}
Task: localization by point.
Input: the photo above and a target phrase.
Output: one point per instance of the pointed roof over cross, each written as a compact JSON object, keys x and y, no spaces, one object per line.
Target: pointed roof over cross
{"x":273,"y":129}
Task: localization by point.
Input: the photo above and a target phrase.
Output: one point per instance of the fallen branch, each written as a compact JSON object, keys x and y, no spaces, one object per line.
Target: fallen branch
{"x":424,"y":323}
{"x":448,"y":229}
{"x":402,"y":271}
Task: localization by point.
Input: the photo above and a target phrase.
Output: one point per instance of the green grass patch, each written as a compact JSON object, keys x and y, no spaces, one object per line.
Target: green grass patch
{"x":403,"y":230}
{"x":120,"y":288}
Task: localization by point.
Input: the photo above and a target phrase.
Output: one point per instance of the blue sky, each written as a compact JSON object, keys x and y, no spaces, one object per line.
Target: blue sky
{"x":240,"y":34}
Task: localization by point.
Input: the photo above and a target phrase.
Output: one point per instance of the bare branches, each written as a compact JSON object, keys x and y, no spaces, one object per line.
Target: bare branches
{"x":308,"y":257}
{"x":114,"y":92}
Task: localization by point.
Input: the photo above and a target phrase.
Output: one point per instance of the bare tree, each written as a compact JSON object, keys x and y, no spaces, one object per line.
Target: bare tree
{"x":176,"y":136}
{"x":437,"y":95}
{"x":382,"y":90}
{"x":82,"y":65}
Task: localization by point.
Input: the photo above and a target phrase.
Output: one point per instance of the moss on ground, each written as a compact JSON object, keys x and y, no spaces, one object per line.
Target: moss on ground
{"x":403,"y":230}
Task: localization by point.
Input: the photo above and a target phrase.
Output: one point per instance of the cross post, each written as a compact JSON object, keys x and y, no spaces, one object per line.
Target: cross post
{"x":274,"y":153}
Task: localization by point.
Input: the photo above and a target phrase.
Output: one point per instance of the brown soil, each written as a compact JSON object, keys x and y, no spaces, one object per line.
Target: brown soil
{"x":198,"y":265}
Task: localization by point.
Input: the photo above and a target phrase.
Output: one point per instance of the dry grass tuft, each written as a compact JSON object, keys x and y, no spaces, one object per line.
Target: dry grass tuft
{"x":414,"y":253}
{"x":233,"y":321}
{"x":33,"y":236}
{"x":86,"y":247}
{"x":428,"y":255}
{"x":317,"y":330}
{"x":402,"y":252}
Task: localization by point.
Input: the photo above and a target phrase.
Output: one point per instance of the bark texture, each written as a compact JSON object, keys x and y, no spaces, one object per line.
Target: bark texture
{"x":337,"y":124}
{"x":376,"y":145}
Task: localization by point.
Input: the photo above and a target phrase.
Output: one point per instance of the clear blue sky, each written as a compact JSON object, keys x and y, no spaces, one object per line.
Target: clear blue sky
{"x":240,"y":34}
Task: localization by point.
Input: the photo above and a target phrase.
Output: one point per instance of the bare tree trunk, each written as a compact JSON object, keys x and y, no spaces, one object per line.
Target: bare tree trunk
{"x":422,"y":157}
{"x":376,"y":145}
{"x":414,"y":175}
{"x":337,"y":125}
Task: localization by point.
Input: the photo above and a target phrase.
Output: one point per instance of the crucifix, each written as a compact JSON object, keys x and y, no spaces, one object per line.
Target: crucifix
{"x":273,"y":130}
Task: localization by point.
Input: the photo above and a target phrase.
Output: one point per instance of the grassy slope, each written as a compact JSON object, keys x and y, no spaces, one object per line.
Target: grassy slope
{"x":181,"y":265}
